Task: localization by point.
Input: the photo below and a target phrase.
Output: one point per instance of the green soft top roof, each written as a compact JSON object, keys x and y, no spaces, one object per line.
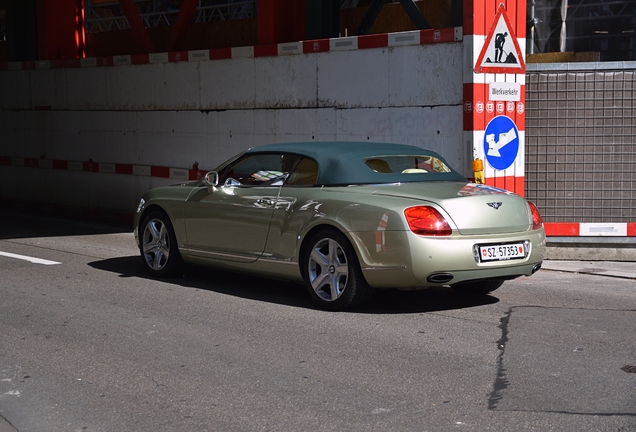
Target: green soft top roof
{"x":343,"y":162}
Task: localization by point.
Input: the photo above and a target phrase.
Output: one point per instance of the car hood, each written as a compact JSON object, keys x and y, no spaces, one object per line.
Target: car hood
{"x":474,"y":209}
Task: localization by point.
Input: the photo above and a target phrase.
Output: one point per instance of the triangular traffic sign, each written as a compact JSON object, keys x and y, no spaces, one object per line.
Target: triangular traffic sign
{"x":501,"y":52}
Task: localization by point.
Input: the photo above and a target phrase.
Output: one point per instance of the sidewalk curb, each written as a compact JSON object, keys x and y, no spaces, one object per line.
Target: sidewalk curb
{"x":618,"y":270}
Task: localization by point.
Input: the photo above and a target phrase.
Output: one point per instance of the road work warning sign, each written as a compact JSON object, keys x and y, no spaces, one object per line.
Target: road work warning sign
{"x":501,"y":52}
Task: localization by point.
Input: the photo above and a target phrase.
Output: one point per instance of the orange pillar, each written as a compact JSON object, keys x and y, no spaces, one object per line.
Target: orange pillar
{"x":280,"y":21}
{"x":61,"y":33}
{"x":494,"y":89}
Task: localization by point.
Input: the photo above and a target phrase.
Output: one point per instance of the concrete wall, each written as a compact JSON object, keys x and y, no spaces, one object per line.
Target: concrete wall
{"x":173,"y":114}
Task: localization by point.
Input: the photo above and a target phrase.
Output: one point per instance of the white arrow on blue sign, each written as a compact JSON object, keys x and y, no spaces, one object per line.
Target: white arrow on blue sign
{"x":501,"y":142}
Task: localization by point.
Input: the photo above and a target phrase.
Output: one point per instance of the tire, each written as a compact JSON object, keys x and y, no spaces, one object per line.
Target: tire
{"x":158,"y":246}
{"x":332,"y":273}
{"x":480,"y":287}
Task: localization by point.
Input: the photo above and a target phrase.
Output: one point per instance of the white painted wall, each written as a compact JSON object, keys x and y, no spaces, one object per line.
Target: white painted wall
{"x":175,"y":114}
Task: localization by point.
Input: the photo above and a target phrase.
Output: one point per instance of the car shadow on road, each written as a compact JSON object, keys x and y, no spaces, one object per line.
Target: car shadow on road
{"x":390,"y":301}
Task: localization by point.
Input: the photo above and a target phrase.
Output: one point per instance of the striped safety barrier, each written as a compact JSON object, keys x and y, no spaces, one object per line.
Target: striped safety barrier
{"x":417,"y":37}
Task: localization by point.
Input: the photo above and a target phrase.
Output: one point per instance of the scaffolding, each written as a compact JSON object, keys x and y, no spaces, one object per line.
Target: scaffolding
{"x":108,"y":16}
{"x":604,"y":26}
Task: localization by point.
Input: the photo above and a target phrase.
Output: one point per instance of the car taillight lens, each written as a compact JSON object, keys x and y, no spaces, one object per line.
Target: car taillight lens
{"x":537,"y":222}
{"x":426,"y":220}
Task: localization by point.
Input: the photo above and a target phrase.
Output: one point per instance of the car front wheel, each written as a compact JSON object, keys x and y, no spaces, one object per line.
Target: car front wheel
{"x":481,"y":287}
{"x":159,"y":246}
{"x":332,"y":272}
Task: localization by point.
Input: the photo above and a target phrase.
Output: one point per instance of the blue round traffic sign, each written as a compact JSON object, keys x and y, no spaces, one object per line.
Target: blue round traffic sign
{"x":501,"y":142}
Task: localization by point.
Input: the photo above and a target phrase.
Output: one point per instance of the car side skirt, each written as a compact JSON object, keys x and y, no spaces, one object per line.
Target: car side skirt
{"x":273,"y":268}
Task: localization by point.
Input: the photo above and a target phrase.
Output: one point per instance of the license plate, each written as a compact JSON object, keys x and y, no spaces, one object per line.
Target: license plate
{"x":503,"y":252}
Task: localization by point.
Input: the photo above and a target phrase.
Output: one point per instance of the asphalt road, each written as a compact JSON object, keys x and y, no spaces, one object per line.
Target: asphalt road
{"x":93,"y":344}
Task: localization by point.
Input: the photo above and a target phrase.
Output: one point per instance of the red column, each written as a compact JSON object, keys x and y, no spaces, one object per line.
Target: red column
{"x":61,"y":32}
{"x":181,"y":27}
{"x":280,"y":21}
{"x":494,"y":89}
{"x":137,"y":25}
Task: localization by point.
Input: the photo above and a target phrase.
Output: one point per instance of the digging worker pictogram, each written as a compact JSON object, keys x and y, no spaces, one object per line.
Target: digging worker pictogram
{"x":500,"y":40}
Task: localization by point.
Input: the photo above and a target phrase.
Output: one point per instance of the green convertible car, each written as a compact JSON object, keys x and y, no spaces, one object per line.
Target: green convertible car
{"x":345,"y":218}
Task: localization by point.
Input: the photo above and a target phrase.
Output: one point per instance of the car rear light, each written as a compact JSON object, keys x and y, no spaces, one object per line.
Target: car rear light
{"x":537,"y":222}
{"x":425,"y":220}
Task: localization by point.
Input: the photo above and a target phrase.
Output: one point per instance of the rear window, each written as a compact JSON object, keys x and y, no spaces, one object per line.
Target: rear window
{"x":407,"y":164}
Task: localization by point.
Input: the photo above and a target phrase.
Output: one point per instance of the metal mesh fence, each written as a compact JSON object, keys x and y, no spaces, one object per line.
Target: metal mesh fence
{"x":581,"y":145}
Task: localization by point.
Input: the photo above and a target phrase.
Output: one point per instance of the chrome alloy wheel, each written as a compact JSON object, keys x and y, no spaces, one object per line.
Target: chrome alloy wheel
{"x":156,"y":244}
{"x":328,"y":269}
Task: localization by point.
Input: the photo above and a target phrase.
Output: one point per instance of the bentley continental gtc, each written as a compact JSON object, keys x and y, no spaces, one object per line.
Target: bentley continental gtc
{"x":343,"y":218}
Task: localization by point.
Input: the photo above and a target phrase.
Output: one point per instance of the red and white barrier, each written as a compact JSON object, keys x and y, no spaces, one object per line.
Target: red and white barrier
{"x":105,"y":168}
{"x":418,"y":37}
{"x":582,"y":229}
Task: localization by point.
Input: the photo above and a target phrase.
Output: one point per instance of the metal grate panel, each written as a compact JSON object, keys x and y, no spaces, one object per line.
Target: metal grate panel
{"x":581,"y":145}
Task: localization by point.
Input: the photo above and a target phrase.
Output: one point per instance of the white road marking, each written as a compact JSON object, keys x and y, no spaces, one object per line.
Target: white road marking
{"x":30,"y":259}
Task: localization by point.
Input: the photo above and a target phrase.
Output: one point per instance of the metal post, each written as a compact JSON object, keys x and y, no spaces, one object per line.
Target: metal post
{"x":414,"y":13}
{"x":564,"y":14}
{"x":370,"y":16}
{"x":532,"y":24}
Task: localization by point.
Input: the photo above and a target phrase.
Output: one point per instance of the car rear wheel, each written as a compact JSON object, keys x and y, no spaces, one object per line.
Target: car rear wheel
{"x":481,"y":287}
{"x":332,"y":272}
{"x":158,"y":246}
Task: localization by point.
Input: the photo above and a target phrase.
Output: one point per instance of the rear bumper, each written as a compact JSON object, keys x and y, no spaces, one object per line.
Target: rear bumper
{"x":403,"y":259}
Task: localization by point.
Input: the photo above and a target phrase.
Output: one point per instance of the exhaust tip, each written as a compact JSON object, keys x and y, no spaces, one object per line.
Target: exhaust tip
{"x":440,"y":278}
{"x":536,"y":268}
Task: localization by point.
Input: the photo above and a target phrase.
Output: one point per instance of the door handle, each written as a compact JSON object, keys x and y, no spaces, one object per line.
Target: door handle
{"x":261,"y":202}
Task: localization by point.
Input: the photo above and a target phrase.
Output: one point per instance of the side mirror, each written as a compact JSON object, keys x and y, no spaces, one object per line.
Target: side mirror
{"x":211,"y":178}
